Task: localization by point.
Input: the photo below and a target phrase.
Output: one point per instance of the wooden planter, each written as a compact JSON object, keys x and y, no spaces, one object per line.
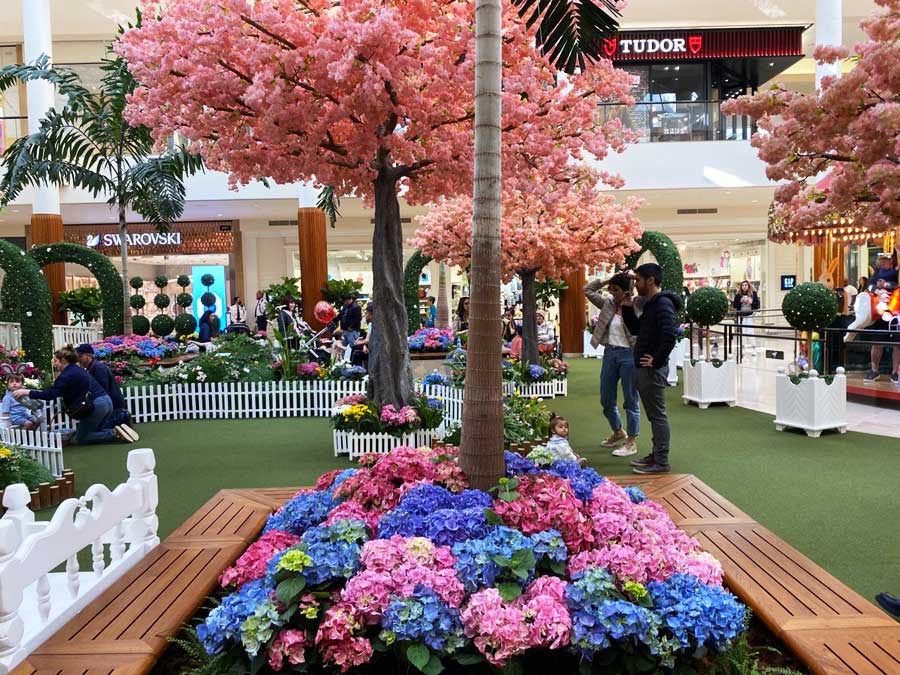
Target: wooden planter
{"x":705,"y":383}
{"x":49,"y":495}
{"x":812,"y":404}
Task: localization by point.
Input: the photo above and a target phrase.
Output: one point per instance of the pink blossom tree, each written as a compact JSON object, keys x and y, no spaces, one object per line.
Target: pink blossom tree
{"x":851,"y":129}
{"x":548,"y":231}
{"x":368,"y":96}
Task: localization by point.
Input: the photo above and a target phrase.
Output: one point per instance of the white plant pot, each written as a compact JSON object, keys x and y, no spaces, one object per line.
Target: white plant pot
{"x":705,"y":383}
{"x":680,"y":351}
{"x":356,"y":445}
{"x":812,"y":404}
{"x":673,"y":369}
{"x":590,"y":352}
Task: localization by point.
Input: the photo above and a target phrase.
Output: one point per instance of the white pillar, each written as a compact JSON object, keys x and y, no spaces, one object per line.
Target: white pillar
{"x":39,"y":40}
{"x":829,"y":18}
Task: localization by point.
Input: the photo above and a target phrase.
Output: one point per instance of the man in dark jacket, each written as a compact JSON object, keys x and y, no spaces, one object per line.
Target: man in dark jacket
{"x":105,"y":378}
{"x":655,"y":328}
{"x":350,"y":319}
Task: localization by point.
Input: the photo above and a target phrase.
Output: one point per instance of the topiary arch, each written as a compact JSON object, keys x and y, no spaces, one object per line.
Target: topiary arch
{"x":99,"y":265}
{"x":24,"y":281}
{"x":411,"y":274}
{"x":666,"y":254}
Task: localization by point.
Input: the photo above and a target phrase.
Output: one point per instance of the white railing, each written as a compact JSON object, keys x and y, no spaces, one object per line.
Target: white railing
{"x":11,"y":335}
{"x":119,"y":526}
{"x":450,"y":396}
{"x":43,"y":446}
{"x":356,"y":445}
{"x":539,"y":389}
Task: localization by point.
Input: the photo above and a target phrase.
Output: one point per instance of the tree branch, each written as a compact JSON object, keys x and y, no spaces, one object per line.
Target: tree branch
{"x":262,"y":29}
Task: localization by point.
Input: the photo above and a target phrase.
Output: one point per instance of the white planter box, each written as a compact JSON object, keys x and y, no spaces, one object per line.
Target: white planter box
{"x":672,"y":379}
{"x":539,"y":389}
{"x":562,"y":386}
{"x":356,"y":445}
{"x":812,"y":404}
{"x":590,"y":352}
{"x":705,"y":383}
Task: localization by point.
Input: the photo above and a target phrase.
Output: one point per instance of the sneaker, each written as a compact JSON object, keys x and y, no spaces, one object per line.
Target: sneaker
{"x":127,"y":434}
{"x":627,"y":449}
{"x":872,"y":376}
{"x":615,"y":440}
{"x":889,"y":603}
{"x":652,"y":469}
{"x":895,"y":378}
{"x":643,"y":461}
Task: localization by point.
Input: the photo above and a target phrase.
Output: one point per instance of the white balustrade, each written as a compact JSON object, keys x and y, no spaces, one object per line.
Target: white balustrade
{"x":11,"y":335}
{"x":35,"y":601}
{"x":43,"y":446}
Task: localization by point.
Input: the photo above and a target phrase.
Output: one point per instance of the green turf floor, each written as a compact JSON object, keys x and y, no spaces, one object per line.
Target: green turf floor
{"x":835,"y":498}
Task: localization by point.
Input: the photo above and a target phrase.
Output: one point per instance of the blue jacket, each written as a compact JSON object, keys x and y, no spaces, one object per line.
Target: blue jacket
{"x":71,"y":385}
{"x":105,"y":378}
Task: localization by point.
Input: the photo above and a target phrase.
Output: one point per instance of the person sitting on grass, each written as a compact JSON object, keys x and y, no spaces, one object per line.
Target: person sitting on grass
{"x":24,"y":414}
{"x":559,"y":440}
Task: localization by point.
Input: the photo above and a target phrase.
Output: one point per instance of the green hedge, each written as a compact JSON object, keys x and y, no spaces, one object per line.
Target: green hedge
{"x":140,"y":325}
{"x":707,"y":306}
{"x":666,"y":253}
{"x":414,"y":266}
{"x":24,"y":281}
{"x":809,"y":306}
{"x":162,"y":325}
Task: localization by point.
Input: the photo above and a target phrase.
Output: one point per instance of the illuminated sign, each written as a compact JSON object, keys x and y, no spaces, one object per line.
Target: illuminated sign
{"x":134,"y":239}
{"x":663,"y":45}
{"x":788,"y":282}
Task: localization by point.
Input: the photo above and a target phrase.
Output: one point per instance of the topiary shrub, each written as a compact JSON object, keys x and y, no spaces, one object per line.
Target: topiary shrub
{"x":162,"y":325}
{"x":140,"y":325}
{"x":183,"y":280}
{"x":707,"y":306}
{"x":809,"y":306}
{"x":136,"y":283}
{"x":185,"y":324}
{"x":161,"y":281}
{"x":666,"y":253}
{"x":208,"y":299}
{"x":162,"y":300}
{"x":26,"y":299}
{"x":184,"y":300}
{"x":137,"y":301}
{"x":207,"y":280}
{"x":411,"y":275}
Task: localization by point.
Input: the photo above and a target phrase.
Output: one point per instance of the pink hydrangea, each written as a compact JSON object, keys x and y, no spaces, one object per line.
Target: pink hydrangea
{"x":338,"y":638}
{"x":252,"y":564}
{"x":326,"y":480}
{"x":289,"y":646}
{"x":354,"y":511}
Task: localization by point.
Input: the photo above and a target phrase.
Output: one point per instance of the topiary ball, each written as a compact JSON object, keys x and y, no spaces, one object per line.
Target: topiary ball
{"x":183,"y":280}
{"x":184,"y":300}
{"x":707,"y":306}
{"x":809,"y":306}
{"x":140,"y":325}
{"x":161,"y":281}
{"x":162,"y":300}
{"x":137,"y":301}
{"x":136,"y":282}
{"x":207,"y":280}
{"x":208,"y":299}
{"x":162,"y":325}
{"x":185,"y":324}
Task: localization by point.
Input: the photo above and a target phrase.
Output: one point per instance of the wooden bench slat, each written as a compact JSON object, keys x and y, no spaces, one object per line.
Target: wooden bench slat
{"x":839,"y":650}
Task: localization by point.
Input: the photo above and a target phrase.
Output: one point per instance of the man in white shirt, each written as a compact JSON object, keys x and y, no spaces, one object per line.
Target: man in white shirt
{"x":259,"y":312}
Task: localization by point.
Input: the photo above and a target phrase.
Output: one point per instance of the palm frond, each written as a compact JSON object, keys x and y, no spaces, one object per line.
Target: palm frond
{"x":155,"y":189}
{"x":571,"y":32}
{"x":66,"y":81}
{"x":329,"y":203}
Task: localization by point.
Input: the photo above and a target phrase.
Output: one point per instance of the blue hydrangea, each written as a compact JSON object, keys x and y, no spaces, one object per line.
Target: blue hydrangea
{"x":549,"y":545}
{"x":333,"y":550}
{"x":471,"y":498}
{"x":477,"y":563}
{"x":536,"y":372}
{"x":697,"y":614}
{"x":636,"y":495}
{"x":423,"y":617}
{"x":582,"y":479}
{"x":224,"y":623}
{"x":448,"y":526}
{"x":434,"y":403}
{"x":302,"y":512}
{"x":516,"y":464}
{"x":434,"y":379}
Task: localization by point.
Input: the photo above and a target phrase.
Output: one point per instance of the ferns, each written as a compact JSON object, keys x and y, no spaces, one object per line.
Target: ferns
{"x":742,"y":658}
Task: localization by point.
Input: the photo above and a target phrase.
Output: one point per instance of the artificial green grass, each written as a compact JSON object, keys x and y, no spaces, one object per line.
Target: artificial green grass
{"x":835,"y":498}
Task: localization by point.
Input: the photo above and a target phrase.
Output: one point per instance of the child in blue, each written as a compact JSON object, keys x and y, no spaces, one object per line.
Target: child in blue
{"x":22,"y":414}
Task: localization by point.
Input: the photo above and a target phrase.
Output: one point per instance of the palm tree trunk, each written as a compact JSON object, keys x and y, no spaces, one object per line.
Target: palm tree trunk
{"x":126,"y":290}
{"x":529,"y":317}
{"x":481,"y":447}
{"x":442,"y":320}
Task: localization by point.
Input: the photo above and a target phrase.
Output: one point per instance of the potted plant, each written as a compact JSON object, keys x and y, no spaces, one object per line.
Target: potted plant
{"x":805,"y":400}
{"x":83,"y":303}
{"x":708,"y":380}
{"x":362,"y":427}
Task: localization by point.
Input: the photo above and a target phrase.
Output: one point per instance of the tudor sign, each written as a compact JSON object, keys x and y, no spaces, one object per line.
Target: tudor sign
{"x":653,"y":45}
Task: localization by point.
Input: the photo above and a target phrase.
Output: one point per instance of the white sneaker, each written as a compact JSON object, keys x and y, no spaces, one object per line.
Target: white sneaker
{"x":613,"y":441}
{"x":628,"y":448}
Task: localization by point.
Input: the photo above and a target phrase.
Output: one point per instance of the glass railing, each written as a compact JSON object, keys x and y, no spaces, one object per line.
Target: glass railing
{"x":11,"y":128}
{"x":660,"y":121}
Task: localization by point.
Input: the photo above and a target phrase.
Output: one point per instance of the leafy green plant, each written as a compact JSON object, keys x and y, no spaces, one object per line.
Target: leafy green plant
{"x":411,"y":275}
{"x":161,"y":281}
{"x":742,"y":658}
{"x":547,"y":291}
{"x":707,"y":306}
{"x":809,"y":306}
{"x":328,"y":202}
{"x":335,"y":290}
{"x":17,"y":467}
{"x":137,"y":301}
{"x":183,"y":280}
{"x":195,"y":659}
{"x":162,"y":325}
{"x":666,"y":253}
{"x":185,"y":324}
{"x":288,"y":287}
{"x":25,"y":282}
{"x":207,"y":280}
{"x":84,"y":303}
{"x":208,"y":299}
{"x":136,"y":283}
{"x":184,"y":300}
{"x":140,"y":325}
{"x":162,"y":300}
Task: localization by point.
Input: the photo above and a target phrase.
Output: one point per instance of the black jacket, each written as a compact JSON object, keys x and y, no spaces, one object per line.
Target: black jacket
{"x":105,"y":378}
{"x":738,"y":305}
{"x":656,"y":328}
{"x":71,"y":386}
{"x":350,"y":317}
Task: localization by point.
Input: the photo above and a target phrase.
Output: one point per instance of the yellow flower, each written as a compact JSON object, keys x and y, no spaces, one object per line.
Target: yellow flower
{"x":5,"y":452}
{"x":294,"y":561}
{"x":21,"y":352}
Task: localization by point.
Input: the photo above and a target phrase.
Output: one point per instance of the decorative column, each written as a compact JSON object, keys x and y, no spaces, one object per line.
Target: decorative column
{"x":46,"y":221}
{"x":828,"y":32}
{"x":572,"y":309}
{"x":313,"y":259}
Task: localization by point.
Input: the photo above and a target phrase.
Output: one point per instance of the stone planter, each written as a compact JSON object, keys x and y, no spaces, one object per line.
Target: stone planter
{"x":812,"y":404}
{"x":705,"y":383}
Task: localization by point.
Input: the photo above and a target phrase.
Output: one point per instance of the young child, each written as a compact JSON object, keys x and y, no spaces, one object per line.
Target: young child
{"x":22,"y":413}
{"x":559,"y":440}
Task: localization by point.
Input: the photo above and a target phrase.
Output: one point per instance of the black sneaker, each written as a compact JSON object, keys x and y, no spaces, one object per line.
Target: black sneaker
{"x":643,"y":461}
{"x":652,"y":469}
{"x":895,"y":378}
{"x":872,"y":376}
{"x":890,"y":603}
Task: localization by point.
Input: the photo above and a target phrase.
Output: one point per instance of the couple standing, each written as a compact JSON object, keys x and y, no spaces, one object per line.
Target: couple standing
{"x":638,"y":335}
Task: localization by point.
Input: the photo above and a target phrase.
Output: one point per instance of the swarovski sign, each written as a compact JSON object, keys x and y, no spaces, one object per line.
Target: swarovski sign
{"x":134,"y":239}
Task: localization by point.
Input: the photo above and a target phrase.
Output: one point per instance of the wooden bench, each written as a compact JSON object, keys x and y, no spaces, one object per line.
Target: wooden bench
{"x":831,"y":628}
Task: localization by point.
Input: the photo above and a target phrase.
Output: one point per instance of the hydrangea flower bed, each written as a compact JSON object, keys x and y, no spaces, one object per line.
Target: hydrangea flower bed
{"x":358,"y":414}
{"x":432,"y":340}
{"x":399,"y":562}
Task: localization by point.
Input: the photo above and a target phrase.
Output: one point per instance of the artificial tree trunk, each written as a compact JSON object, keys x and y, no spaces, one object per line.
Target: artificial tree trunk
{"x":390,"y":376}
{"x":481,"y":447}
{"x":126,"y":290}
{"x":442,"y":320}
{"x":529,"y":317}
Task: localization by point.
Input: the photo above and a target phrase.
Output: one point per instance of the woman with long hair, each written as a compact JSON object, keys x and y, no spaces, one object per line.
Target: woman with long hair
{"x":461,"y":318}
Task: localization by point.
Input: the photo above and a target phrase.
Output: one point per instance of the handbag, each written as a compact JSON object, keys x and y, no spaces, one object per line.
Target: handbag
{"x":82,"y":408}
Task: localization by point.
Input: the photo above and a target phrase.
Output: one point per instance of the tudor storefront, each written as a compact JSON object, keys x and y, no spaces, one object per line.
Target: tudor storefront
{"x":680,"y":77}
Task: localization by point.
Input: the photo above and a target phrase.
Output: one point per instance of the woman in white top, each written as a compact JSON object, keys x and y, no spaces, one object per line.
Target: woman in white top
{"x":618,"y":362}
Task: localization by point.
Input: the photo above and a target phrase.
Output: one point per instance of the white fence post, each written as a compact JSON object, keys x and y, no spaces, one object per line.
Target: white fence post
{"x":144,"y":522}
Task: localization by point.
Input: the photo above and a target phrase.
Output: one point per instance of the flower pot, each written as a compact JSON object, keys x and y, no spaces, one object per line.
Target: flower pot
{"x":812,"y":404}
{"x":706,"y":383}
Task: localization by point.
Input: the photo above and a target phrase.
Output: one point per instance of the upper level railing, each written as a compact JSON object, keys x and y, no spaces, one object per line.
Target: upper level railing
{"x":661,"y":121}
{"x":11,"y":128}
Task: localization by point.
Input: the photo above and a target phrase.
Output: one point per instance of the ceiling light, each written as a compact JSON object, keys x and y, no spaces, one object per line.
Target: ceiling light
{"x":666,"y":68}
{"x":727,"y":192}
{"x":677,"y":67}
{"x":755,"y":201}
{"x":771,"y":63}
{"x":218,"y":215}
{"x":14,"y":210}
{"x":676,"y":79}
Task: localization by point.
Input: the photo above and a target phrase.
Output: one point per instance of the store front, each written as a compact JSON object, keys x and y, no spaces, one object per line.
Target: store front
{"x":681,"y":77}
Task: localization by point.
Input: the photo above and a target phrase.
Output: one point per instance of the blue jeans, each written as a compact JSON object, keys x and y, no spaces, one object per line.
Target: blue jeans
{"x":618,"y":364}
{"x":350,"y":337}
{"x":90,"y":430}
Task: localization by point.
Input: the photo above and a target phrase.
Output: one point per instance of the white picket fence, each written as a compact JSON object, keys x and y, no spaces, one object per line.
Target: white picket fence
{"x":11,"y":335}
{"x":43,"y":446}
{"x":119,"y":526}
{"x":356,"y":445}
{"x":540,"y":389}
{"x":450,"y":396}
